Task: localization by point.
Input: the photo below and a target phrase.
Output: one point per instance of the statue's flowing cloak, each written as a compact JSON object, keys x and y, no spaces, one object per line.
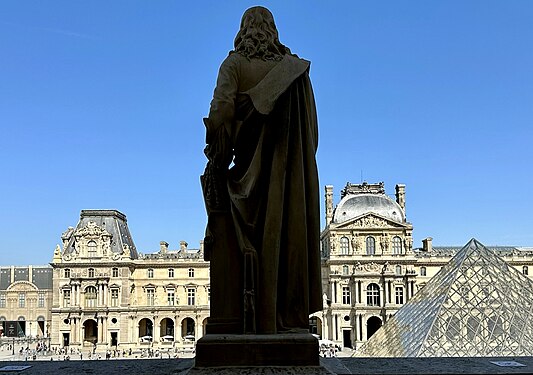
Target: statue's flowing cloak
{"x":267,"y":109}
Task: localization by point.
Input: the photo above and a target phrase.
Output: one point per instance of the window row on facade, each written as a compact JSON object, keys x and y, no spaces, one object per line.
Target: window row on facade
{"x":91,"y":297}
{"x":373,"y":295}
{"x":115,"y":272}
{"x":370,"y":246}
{"x":22,"y":300}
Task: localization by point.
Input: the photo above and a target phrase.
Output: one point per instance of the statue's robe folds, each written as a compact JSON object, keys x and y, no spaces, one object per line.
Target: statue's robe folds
{"x":266,"y":111}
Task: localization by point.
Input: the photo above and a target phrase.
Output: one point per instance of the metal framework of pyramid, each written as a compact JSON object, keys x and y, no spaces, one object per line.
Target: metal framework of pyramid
{"x":477,"y":305}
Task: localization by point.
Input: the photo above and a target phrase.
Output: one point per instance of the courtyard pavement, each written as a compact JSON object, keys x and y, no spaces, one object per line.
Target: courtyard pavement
{"x":343,"y":364}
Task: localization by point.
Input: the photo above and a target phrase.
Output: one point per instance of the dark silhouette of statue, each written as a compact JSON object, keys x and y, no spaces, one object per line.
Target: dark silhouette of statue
{"x":261,"y":187}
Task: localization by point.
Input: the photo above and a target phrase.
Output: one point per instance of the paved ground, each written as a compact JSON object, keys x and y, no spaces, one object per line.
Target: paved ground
{"x":333,"y":365}
{"x":342,"y":364}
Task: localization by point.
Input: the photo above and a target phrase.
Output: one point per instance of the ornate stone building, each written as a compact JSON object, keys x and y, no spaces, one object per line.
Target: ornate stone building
{"x":108,"y":295}
{"x":25,"y":301}
{"x":368,"y":262}
{"x":369,"y":267}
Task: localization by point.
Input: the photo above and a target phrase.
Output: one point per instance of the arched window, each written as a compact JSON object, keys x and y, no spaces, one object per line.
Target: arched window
{"x":115,"y":272}
{"x":345,"y":246}
{"x":453,"y":329}
{"x":372,"y":295}
{"x":525,"y":270}
{"x":90,"y":272}
{"x":370,"y":245}
{"x":150,"y":273}
{"x":91,"y":249}
{"x":396,"y":245}
{"x":472,"y":327}
{"x":90,"y":296}
{"x":422,"y":271}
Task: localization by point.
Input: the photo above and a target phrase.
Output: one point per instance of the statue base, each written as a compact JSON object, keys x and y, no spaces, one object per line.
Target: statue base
{"x":286,"y":349}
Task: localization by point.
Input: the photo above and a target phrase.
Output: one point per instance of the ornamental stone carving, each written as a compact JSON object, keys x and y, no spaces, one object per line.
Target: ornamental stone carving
{"x":369,"y":267}
{"x":370,"y":222}
{"x":92,"y":230}
{"x":408,"y":243}
{"x":333,"y":242}
{"x":384,"y":242}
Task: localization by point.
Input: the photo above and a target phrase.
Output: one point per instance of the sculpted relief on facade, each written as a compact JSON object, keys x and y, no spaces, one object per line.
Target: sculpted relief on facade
{"x":370,"y":221}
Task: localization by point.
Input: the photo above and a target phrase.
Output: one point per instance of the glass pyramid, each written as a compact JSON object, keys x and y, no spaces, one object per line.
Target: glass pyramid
{"x":476,"y":306}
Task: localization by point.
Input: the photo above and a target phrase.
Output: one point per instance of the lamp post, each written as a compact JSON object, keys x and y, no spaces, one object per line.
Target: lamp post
{"x":13,"y":346}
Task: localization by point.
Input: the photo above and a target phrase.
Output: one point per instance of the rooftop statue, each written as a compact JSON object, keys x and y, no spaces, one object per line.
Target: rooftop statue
{"x":261,"y":187}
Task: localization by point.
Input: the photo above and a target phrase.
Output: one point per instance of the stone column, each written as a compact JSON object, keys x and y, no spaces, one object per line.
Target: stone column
{"x":72,"y":329}
{"x":363,"y":327}
{"x":385,"y":294}
{"x":76,"y":329}
{"x":157,"y":330}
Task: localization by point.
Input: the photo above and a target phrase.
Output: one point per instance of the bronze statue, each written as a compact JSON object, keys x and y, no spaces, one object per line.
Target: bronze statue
{"x":261,"y":187}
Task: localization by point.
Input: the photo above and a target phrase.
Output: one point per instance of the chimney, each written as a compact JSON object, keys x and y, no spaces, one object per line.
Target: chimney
{"x":163,"y":247}
{"x":201,"y":246}
{"x":400,"y":196}
{"x":329,"y":204}
{"x":427,"y":244}
{"x":183,"y":245}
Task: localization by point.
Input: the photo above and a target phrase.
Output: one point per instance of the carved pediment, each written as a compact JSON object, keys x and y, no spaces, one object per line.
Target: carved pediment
{"x":370,"y":221}
{"x":22,"y":286}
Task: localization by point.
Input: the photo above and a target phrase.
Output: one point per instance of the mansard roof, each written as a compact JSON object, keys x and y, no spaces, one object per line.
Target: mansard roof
{"x":113,"y":221}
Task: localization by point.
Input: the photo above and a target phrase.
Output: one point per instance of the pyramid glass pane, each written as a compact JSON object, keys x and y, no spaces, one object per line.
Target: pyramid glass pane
{"x":475,"y":306}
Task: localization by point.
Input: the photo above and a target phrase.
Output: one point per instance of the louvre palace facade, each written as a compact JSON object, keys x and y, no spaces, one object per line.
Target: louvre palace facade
{"x":108,"y":295}
{"x":369,"y":266}
{"x":100,"y":292}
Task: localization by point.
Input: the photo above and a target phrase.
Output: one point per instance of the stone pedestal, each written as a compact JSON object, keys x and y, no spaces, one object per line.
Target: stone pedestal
{"x":298,"y":349}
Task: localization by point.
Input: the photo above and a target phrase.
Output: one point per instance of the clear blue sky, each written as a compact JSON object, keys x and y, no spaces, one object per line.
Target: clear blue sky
{"x":101,"y":106}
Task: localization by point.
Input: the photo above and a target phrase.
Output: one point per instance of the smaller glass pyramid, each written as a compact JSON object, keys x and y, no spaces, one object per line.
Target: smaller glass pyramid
{"x":476,"y":306}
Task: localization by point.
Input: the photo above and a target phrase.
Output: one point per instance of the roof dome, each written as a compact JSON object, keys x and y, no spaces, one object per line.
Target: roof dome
{"x":354,"y":205}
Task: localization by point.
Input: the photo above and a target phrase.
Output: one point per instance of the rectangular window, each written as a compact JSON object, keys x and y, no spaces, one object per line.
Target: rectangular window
{"x":346,"y":296}
{"x":66,"y":298}
{"x":399,"y":295}
{"x":171,"y":297}
{"x":67,"y":273}
{"x":171,"y":272}
{"x":150,"y":297}
{"x":2,"y":300}
{"x":22,"y":300}
{"x":191,"y":272}
{"x":191,"y":296}
{"x":115,"y":272}
{"x":40,"y":301}
{"x":114,"y":297}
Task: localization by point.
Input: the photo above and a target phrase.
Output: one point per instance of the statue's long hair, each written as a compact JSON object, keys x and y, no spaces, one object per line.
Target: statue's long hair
{"x":258,"y":36}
